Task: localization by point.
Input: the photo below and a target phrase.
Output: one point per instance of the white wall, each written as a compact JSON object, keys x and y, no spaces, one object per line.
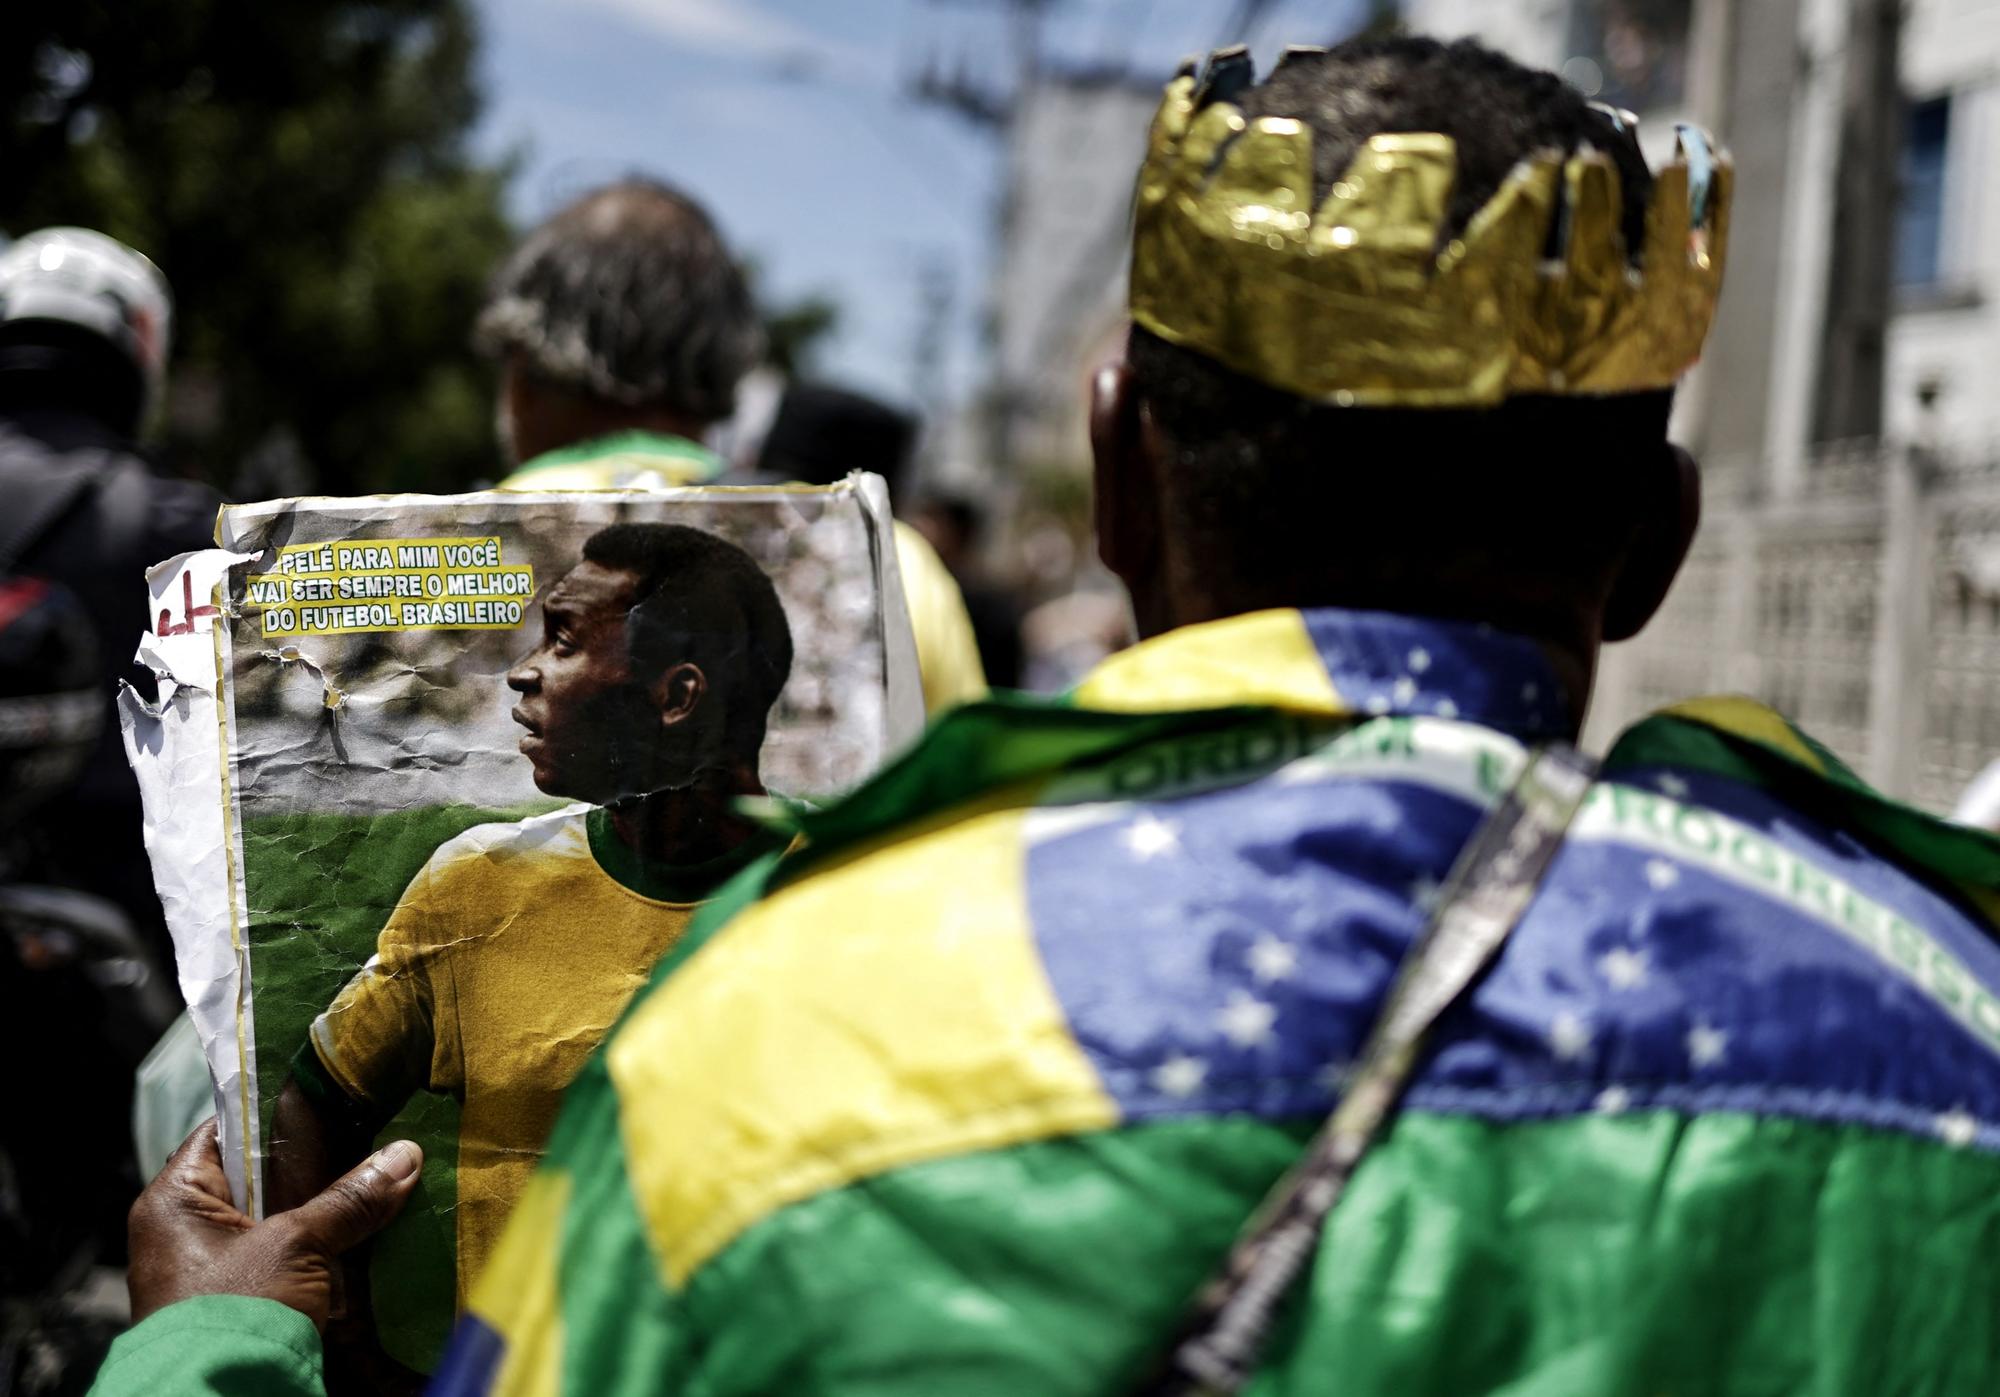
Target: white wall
{"x":1953,"y":46}
{"x":1807,"y":240}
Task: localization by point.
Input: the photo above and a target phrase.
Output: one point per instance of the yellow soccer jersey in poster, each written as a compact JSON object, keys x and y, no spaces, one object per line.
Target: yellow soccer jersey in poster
{"x":504,"y":963}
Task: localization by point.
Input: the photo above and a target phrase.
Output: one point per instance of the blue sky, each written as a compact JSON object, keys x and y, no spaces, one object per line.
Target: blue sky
{"x":789,"y":119}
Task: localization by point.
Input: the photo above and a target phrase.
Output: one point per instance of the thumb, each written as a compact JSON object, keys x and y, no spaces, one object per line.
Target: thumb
{"x":362,"y":1201}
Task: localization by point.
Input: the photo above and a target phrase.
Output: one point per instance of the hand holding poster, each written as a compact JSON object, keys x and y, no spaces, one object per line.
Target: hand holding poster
{"x":471,"y":764}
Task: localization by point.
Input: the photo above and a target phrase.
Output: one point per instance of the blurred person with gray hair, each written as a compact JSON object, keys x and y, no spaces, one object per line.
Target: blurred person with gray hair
{"x":623,"y":326}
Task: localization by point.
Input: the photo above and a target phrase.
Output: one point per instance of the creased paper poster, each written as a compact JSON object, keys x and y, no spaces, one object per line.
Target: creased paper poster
{"x":433,"y":782}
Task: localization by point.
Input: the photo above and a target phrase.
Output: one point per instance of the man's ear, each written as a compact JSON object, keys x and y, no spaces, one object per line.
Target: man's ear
{"x":679,"y":692}
{"x":1127,"y":505}
{"x":1670,"y":514}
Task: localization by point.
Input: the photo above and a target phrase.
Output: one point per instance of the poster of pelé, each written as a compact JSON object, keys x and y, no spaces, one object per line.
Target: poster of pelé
{"x":434,"y":782}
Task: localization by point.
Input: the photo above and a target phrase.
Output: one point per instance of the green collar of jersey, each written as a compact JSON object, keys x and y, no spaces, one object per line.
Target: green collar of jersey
{"x":635,"y":443}
{"x":665,"y":882}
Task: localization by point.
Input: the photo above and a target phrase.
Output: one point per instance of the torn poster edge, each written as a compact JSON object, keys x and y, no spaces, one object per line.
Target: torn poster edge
{"x":903,"y":718}
{"x":178,"y":747}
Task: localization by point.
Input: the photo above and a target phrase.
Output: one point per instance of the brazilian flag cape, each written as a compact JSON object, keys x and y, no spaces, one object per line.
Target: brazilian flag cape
{"x":970,"y":1096}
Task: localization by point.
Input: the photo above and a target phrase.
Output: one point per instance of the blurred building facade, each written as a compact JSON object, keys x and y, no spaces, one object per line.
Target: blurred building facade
{"x":1059,"y":281}
{"x":1056,"y":305}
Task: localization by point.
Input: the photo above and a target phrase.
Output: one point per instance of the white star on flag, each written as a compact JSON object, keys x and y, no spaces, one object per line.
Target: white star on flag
{"x":1405,"y":691}
{"x":1707,"y":1045}
{"x":1334,"y":1076}
{"x":1420,"y":660}
{"x":1623,"y":968}
{"x":1272,"y":960}
{"x":1180,"y":1075}
{"x":1447,"y":709}
{"x":1661,"y":874}
{"x":1612,"y":1101}
{"x":1150,"y":836}
{"x":1530,"y":692}
{"x":1569,"y":1037}
{"x":1246,"y":1020}
{"x":1424,"y":894}
{"x":1672,"y":786}
{"x":1378,"y":704}
{"x":1957,"y":1128}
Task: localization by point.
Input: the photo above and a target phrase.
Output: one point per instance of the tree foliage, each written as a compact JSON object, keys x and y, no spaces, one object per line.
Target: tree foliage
{"x":300,"y":171}
{"x":795,"y":331}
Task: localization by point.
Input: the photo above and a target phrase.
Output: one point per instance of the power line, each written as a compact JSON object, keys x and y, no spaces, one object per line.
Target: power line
{"x":1242,"y":19}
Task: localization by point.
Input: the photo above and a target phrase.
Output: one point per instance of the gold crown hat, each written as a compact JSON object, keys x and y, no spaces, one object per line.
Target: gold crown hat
{"x":1362,"y":302}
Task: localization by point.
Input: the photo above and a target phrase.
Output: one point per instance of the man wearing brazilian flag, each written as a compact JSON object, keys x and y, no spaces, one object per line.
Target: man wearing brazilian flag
{"x":976,"y":1094}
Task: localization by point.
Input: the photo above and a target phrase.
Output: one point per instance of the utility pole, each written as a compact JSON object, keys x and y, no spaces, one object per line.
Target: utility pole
{"x":1854,"y":341}
{"x":995,"y":112}
{"x":982,"y":105}
{"x":931,"y":348}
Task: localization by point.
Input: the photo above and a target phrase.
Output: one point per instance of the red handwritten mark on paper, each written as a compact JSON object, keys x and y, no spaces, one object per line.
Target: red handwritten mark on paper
{"x":193,"y":613}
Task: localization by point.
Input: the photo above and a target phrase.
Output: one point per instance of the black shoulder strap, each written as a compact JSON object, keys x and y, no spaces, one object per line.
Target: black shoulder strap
{"x":25,"y":523}
{"x":1216,"y":1350}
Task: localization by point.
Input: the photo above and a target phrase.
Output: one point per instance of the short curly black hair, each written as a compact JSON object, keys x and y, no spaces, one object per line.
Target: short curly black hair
{"x":1496,"y":111}
{"x":702,"y":599}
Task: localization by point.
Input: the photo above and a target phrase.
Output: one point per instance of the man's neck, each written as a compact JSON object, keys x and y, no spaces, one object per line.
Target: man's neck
{"x":688,"y":825}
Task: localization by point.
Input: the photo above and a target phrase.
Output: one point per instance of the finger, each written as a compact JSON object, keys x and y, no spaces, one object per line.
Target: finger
{"x":198,"y":1178}
{"x":190,"y":1184}
{"x":202,"y":1143}
{"x":361,"y":1202}
{"x":194,"y":1171}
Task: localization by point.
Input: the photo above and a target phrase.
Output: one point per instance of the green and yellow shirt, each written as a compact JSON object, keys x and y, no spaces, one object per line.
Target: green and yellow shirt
{"x":507,"y":959}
